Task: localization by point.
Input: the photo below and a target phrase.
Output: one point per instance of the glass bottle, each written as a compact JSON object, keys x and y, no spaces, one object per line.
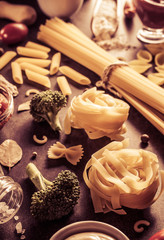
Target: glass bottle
{"x":11,"y":197}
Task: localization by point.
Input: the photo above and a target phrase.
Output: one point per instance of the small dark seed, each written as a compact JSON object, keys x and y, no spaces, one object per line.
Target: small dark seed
{"x":145,"y":138}
{"x":34,"y":154}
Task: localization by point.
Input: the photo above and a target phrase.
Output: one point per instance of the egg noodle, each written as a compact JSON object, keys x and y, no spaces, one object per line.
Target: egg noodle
{"x":99,"y":114}
{"x":119,"y":177}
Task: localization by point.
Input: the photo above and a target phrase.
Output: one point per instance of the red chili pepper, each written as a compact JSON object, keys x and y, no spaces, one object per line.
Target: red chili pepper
{"x":158,"y":236}
{"x":13,"y":33}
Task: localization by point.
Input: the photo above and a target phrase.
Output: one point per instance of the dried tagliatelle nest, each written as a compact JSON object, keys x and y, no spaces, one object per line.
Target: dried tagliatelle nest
{"x":99,"y":114}
{"x":10,"y":153}
{"x":72,"y":154}
{"x":119,"y":177}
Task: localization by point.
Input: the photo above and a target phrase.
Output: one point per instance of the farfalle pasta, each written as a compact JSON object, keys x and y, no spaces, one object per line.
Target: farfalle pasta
{"x":99,"y":114}
{"x":72,"y":154}
{"x":120,"y":177}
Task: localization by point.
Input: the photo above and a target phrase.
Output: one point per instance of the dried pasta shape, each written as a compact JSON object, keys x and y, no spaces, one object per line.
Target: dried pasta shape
{"x":98,"y":114}
{"x":157,"y":78}
{"x":119,"y":178}
{"x":72,"y":154}
{"x":144,"y":55}
{"x":155,"y":48}
{"x":160,"y":69}
{"x":24,"y":106}
{"x":159,"y":59}
{"x":139,"y":65}
{"x":56,"y":151}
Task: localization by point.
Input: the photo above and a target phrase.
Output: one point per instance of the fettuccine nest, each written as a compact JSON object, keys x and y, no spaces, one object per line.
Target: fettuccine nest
{"x":119,"y":177}
{"x":99,"y":114}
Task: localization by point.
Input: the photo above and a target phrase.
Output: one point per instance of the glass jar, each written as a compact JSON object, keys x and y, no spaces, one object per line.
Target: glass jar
{"x":7,"y":111}
{"x":11,"y":197}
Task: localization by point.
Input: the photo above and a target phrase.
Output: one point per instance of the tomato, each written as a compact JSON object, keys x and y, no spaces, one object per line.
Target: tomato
{"x":13,"y":33}
{"x":158,"y":236}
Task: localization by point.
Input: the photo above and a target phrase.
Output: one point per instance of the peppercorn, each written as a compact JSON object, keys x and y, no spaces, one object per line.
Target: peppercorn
{"x":145,"y":138}
{"x":34,"y":154}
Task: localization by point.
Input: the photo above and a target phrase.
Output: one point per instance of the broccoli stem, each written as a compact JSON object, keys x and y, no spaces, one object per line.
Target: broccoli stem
{"x":53,"y":120}
{"x":36,"y":177}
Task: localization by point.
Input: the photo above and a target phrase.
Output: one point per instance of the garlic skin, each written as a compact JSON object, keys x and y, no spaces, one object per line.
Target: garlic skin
{"x":62,"y":8}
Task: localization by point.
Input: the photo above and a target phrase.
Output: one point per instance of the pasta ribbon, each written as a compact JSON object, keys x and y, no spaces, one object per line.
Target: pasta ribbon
{"x":99,"y":114}
{"x":119,"y":177}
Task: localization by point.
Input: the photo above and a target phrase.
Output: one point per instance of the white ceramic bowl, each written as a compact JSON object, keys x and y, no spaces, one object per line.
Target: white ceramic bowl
{"x":88,"y":226}
{"x":59,"y":8}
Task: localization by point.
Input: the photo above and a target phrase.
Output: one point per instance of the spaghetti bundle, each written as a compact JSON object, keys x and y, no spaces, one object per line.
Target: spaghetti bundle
{"x":137,"y":89}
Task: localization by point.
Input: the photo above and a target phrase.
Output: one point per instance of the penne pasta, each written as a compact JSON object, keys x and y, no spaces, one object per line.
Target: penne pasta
{"x":38,"y":78}
{"x":35,"y":61}
{"x":64,"y":86}
{"x":16,"y":73}
{"x":74,"y":75}
{"x":55,"y":63}
{"x":29,"y":52}
{"x":37,"y":46}
{"x":34,"y":68}
{"x":6,"y":58}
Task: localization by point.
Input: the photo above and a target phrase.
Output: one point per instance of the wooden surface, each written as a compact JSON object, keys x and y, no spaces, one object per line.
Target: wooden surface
{"x":21,"y":128}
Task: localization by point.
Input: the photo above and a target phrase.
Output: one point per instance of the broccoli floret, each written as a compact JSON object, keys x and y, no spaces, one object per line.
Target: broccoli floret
{"x":45,"y":106}
{"x":56,"y":199}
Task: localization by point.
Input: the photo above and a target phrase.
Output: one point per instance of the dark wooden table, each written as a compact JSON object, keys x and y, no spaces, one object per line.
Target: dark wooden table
{"x":21,"y":128}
